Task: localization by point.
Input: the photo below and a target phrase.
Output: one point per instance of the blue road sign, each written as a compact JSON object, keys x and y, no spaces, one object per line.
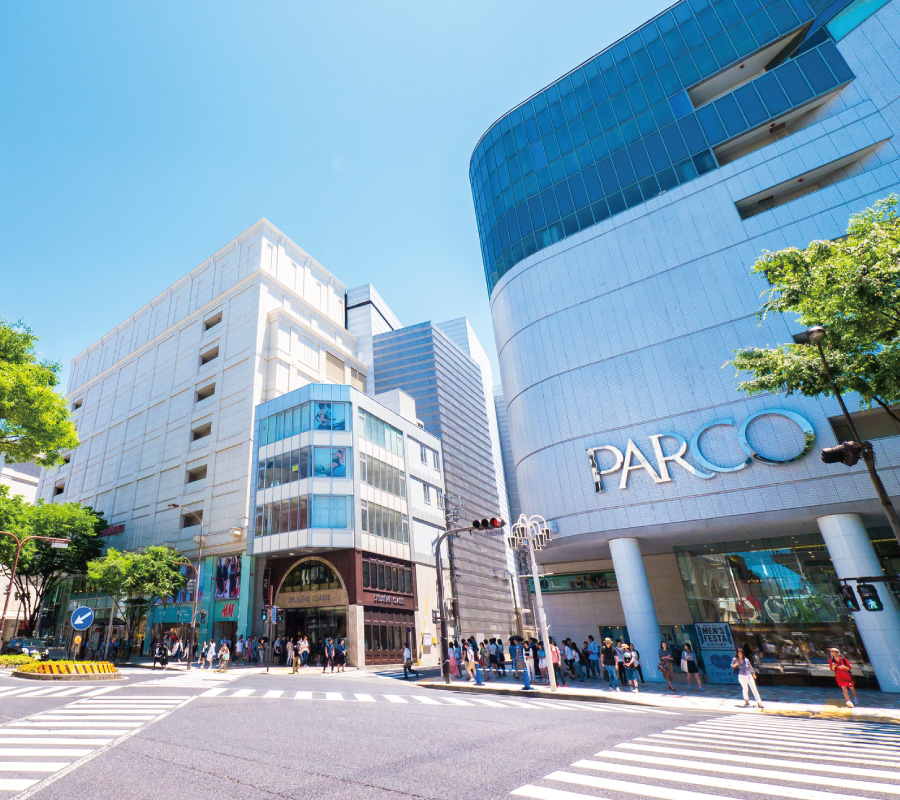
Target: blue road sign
{"x":82,"y":618}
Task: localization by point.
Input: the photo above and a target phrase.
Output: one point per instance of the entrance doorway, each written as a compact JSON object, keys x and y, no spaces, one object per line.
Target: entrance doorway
{"x":317,"y":624}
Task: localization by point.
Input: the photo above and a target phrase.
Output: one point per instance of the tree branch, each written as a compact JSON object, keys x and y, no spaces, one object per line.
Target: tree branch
{"x":887,"y":408}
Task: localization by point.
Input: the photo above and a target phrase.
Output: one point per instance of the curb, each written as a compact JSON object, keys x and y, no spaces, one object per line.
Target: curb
{"x":84,"y":676}
{"x":839,"y":714}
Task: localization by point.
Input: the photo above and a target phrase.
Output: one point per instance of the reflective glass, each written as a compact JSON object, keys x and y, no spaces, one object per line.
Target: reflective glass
{"x":793,"y":83}
{"x":730,"y":115}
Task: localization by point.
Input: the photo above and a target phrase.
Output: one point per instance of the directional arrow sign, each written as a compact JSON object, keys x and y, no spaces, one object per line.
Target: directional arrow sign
{"x":82,"y":618}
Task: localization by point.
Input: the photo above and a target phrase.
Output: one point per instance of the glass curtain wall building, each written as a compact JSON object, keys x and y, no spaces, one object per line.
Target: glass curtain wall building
{"x":619,"y":211}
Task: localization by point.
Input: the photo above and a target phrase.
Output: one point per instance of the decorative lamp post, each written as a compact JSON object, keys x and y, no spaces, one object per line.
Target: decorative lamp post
{"x":532,"y":534}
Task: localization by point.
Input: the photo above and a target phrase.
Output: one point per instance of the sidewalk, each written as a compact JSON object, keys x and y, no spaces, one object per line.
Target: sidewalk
{"x":794,"y":701}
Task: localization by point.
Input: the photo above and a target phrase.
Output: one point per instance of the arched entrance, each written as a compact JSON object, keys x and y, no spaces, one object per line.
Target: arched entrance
{"x":314,"y":599}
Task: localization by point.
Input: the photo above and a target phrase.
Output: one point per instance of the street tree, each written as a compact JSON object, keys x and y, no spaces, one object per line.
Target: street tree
{"x":34,"y":419}
{"x":851,"y":286}
{"x":42,"y":568}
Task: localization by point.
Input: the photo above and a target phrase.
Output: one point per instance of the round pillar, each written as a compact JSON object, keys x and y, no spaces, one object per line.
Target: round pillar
{"x":637,"y":602}
{"x":853,"y":556}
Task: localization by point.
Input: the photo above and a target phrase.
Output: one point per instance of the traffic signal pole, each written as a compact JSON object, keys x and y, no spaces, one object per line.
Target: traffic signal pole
{"x":868,"y":455}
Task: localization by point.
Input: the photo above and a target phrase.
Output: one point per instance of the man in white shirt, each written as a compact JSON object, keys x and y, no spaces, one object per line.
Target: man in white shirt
{"x":407,"y":663}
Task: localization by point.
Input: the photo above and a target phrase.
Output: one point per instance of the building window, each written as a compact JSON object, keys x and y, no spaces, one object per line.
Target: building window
{"x":191,"y":519}
{"x":196,"y":474}
{"x":334,"y":368}
{"x":330,"y":416}
{"x":67,"y":458}
{"x":423,"y":453}
{"x":381,"y":475}
{"x":58,"y":489}
{"x":311,"y":576}
{"x":286,"y":515}
{"x":333,"y":462}
{"x":385,"y":523}
{"x":357,"y":379}
{"x":201,"y":431}
{"x":205,"y":392}
{"x":211,"y":322}
{"x":435,"y":459}
{"x":77,"y":404}
{"x":388,"y":577}
{"x":210,"y":355}
{"x":331,"y":511}
{"x":875,"y":423}
{"x":380,"y":433}
{"x":365,"y":574}
{"x":426,"y":494}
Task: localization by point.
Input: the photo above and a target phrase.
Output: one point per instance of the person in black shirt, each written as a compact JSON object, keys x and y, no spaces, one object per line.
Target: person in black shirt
{"x":610,"y":660}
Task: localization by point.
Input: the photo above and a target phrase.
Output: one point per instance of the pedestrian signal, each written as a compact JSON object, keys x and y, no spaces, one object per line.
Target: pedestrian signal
{"x":869,"y":596}
{"x":279,"y":617}
{"x":265,"y":614}
{"x":201,"y":615}
{"x":849,"y":598}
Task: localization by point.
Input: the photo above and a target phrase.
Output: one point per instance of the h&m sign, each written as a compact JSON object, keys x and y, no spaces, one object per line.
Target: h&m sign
{"x":633,"y":458}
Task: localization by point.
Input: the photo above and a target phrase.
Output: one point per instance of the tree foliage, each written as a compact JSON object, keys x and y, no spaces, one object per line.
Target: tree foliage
{"x":140,"y":579}
{"x":851,"y":287}
{"x":42,"y":568}
{"x":34,"y":419}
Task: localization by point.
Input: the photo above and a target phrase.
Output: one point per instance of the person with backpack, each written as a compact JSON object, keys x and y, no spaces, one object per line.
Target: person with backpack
{"x":843,"y":674}
{"x":742,"y":667}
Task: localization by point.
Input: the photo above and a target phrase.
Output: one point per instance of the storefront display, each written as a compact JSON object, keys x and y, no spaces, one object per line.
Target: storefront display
{"x":576,"y":582}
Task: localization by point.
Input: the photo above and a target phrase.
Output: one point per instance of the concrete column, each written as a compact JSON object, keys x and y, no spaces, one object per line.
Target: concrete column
{"x":356,"y":647}
{"x":853,"y":556}
{"x":246,"y":612}
{"x":637,"y":602}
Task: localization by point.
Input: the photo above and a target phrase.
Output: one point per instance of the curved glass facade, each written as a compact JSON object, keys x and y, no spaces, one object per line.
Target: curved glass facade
{"x":622,"y":128}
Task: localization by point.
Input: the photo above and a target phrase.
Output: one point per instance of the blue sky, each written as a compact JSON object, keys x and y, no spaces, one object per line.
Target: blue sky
{"x":138,"y":138}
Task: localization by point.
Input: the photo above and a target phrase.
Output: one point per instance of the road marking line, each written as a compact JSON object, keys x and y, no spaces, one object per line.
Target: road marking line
{"x":486,"y":702}
{"x":715,"y":781}
{"x":748,"y":772}
{"x":274,"y":693}
{"x":457,"y":701}
{"x":748,"y":725}
{"x":656,"y":792}
{"x":303,"y":696}
{"x":11,"y":692}
{"x":212,"y":693}
{"x":102,"y":690}
{"x":32,"y":766}
{"x":44,"y":692}
{"x":15,"y":784}
{"x":243,"y":692}
{"x":515,"y":703}
{"x":49,"y":740}
{"x":167,"y":697}
{"x":69,"y":692}
{"x":333,"y":696}
{"x":42,"y":751}
{"x":365,"y":698}
{"x":741,"y":758}
{"x":544,"y":793}
{"x":396,"y":698}
{"x":79,"y":724}
{"x":426,"y":701}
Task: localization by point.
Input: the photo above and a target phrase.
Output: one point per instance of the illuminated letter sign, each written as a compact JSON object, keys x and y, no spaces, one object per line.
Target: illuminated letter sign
{"x":625,"y":462}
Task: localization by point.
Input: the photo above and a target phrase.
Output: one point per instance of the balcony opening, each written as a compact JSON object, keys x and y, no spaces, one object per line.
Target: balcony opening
{"x":205,"y":392}
{"x":77,"y":404}
{"x":67,"y":458}
{"x":875,"y":423}
{"x":191,"y":518}
{"x":804,"y":184}
{"x":196,"y":474}
{"x":209,"y":355}
{"x":58,"y":489}
{"x":211,"y":322}
{"x":201,"y":431}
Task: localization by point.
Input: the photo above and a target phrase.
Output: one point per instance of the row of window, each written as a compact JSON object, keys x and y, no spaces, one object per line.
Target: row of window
{"x":380,"y":433}
{"x":305,"y":511}
{"x":384,"y":522}
{"x":377,"y":473}
{"x":428,"y":455}
{"x":305,"y":462}
{"x":386,"y":637}
{"x":386,"y":577}
{"x":311,"y":576}
{"x":316,"y":416}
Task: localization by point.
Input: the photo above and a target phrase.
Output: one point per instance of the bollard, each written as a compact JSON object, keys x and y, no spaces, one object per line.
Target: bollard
{"x":479,"y":675}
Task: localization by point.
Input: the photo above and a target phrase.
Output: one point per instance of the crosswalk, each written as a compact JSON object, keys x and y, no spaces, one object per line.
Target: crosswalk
{"x":59,"y":690}
{"x":752,"y":758}
{"x":195,"y":679}
{"x":38,"y":749}
{"x":430,"y":698}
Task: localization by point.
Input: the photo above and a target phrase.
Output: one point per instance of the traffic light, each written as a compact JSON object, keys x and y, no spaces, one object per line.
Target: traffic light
{"x":869,"y":596}
{"x":849,"y":598}
{"x":201,"y":617}
{"x":847,"y":452}
{"x":279,"y":617}
{"x":265,"y":614}
{"x":494,"y":523}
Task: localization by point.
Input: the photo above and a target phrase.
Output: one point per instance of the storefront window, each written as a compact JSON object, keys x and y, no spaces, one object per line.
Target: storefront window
{"x":781,"y":599}
{"x":310,"y":576}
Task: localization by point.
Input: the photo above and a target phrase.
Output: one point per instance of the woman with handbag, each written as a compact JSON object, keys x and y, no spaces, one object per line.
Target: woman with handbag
{"x":689,"y":664}
{"x":742,"y":667}
{"x":843,"y":674}
{"x":666,"y":664}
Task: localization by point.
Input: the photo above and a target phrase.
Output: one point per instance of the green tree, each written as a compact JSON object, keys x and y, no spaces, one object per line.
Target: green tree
{"x":34,"y":419}
{"x":850,"y":286}
{"x":41,"y":567}
{"x":138,"y":579}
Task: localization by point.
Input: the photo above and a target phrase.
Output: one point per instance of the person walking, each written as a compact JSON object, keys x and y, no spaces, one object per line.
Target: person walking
{"x":211,"y":652}
{"x":637,"y":663}
{"x":408,"y":664}
{"x":666,"y":664}
{"x":621,"y":654}
{"x":610,"y":659}
{"x":843,"y":674}
{"x":746,"y":677}
{"x":689,"y":664}
{"x":295,"y":656}
{"x":329,"y":654}
{"x":470,"y":659}
{"x":224,"y":657}
{"x":629,"y":665}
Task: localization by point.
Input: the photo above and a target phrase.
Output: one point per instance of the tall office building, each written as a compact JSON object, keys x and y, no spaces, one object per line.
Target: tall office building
{"x":368,"y":315}
{"x":453,"y":404}
{"x":619,"y":211}
{"x":509,"y":464}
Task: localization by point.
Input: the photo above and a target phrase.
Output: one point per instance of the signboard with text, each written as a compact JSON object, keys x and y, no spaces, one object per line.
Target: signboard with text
{"x":717,"y":649}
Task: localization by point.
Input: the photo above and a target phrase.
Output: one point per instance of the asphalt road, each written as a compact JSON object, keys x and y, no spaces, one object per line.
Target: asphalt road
{"x":364,"y":735}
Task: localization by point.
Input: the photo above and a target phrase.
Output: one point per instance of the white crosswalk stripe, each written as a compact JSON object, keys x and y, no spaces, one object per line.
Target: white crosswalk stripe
{"x":726,"y":758}
{"x":38,"y":749}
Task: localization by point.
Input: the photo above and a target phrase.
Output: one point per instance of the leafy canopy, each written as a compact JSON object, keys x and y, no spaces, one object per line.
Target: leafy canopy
{"x":852,"y":288}
{"x":34,"y":420}
{"x":41,"y":567}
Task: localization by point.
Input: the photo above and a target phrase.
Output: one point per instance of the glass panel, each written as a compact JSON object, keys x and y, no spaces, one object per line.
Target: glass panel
{"x":330,"y":416}
{"x":365,"y":574}
{"x":772,"y":94}
{"x":793,"y":82}
{"x":332,"y":462}
{"x":731,"y":115}
{"x":381,"y":576}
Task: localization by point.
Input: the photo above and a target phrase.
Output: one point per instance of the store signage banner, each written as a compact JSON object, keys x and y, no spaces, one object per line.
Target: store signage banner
{"x":634,"y":459}
{"x":576,"y":582}
{"x":717,"y":649}
{"x":328,"y":597}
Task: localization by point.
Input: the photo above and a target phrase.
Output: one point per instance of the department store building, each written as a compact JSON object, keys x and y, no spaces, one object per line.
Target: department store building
{"x":620,"y":210}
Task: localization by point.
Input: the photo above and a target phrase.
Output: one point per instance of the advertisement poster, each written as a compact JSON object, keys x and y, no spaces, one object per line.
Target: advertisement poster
{"x":330,"y":461}
{"x":186,"y":595}
{"x":228,"y":578}
{"x":329,"y":416}
{"x":576,"y":582}
{"x":717,"y":649}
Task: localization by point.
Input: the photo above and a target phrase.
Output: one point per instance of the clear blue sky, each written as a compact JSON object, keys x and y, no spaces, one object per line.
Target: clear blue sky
{"x":138,"y":138}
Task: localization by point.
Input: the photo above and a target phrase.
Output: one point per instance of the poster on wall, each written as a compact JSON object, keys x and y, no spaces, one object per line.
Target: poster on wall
{"x":717,"y":649}
{"x":576,"y":582}
{"x":330,"y":462}
{"x":329,"y":416}
{"x":228,"y":577}
{"x":186,"y":594}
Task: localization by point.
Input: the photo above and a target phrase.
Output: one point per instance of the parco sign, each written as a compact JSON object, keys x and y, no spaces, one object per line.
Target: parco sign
{"x":633,"y":458}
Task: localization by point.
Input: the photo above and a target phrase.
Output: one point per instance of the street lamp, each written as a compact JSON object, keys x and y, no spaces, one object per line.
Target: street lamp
{"x":512,"y":586}
{"x":55,"y":541}
{"x":199,"y":539}
{"x":816,"y":336}
{"x":532,"y":534}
